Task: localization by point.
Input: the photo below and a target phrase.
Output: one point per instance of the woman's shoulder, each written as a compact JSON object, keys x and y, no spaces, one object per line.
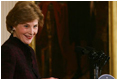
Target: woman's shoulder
{"x":7,"y":51}
{"x":11,"y":43}
{"x":7,"y":44}
{"x":8,"y":47}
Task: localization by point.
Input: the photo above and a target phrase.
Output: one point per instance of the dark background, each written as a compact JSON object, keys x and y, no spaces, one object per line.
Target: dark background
{"x":85,"y":29}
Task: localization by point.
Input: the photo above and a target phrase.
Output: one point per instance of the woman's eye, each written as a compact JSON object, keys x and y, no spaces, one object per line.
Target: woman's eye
{"x":25,"y":25}
{"x":35,"y":26}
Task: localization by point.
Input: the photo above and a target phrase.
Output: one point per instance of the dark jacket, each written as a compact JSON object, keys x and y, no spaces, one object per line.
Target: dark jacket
{"x":18,"y":60}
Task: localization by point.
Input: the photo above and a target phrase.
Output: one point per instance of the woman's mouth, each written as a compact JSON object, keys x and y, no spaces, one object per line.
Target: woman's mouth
{"x":28,"y":37}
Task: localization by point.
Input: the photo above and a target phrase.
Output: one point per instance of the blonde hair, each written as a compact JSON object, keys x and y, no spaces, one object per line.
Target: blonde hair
{"x":22,"y":12}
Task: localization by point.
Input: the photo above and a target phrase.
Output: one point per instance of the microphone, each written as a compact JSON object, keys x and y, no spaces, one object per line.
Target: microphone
{"x":95,"y":55}
{"x":88,"y":50}
{"x":82,"y":50}
{"x":98,"y":58}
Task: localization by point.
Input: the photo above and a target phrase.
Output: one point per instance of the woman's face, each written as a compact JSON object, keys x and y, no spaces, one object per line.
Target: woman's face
{"x":26,"y":32}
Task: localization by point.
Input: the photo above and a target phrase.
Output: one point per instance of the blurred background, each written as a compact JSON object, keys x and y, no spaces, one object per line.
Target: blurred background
{"x":68,"y":24}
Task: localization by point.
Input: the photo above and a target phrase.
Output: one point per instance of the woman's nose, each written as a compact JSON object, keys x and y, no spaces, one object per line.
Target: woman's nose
{"x":31,"y":31}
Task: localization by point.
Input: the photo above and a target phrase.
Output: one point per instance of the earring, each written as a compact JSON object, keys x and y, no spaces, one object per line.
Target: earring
{"x":12,"y":30}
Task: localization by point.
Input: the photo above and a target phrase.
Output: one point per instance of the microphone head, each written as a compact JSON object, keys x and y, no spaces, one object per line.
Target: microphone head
{"x":81,"y":50}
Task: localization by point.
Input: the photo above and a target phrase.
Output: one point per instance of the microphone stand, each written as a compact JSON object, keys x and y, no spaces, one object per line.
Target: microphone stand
{"x":98,"y":59}
{"x":98,"y":66}
{"x":96,"y":71}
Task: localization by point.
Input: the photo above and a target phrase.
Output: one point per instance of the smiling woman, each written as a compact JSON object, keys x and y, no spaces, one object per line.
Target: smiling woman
{"x":26,"y":32}
{"x":17,"y":57}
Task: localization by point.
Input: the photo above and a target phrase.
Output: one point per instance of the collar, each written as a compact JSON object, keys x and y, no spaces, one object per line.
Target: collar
{"x":17,"y":40}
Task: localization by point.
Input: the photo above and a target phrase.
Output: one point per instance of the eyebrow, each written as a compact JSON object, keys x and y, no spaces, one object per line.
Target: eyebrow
{"x":29,"y":24}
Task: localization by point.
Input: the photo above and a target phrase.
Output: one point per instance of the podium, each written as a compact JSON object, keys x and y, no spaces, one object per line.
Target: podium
{"x":106,"y":76}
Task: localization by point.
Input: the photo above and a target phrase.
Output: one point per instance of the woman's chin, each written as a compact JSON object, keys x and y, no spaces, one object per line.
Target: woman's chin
{"x":27,"y":42}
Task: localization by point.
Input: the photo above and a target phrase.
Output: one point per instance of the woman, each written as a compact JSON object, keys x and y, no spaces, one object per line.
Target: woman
{"x":17,"y":58}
